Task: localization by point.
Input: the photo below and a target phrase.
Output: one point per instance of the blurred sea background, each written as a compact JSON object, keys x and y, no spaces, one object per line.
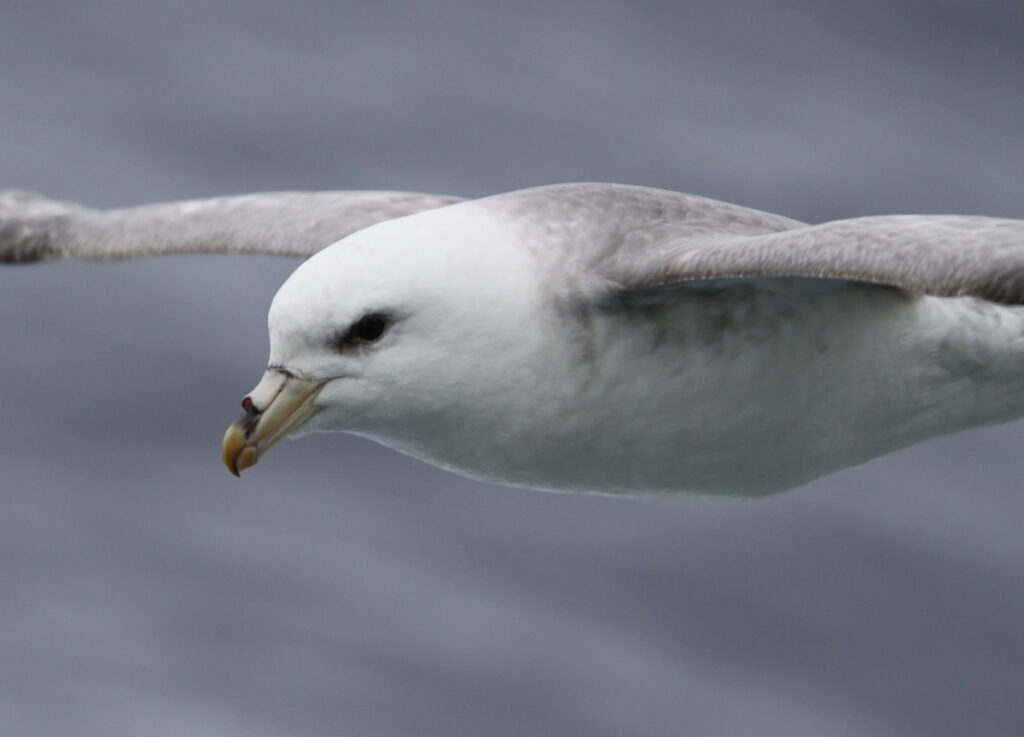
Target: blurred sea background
{"x":343,"y":589}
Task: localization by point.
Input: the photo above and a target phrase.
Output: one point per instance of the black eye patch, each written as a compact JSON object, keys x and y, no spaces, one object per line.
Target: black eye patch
{"x":367,"y":329}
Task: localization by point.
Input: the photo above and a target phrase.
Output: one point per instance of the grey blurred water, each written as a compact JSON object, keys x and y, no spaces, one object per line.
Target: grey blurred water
{"x":343,"y":589}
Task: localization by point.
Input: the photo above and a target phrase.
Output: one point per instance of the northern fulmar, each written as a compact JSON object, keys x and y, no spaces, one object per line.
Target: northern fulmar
{"x":598,"y":337}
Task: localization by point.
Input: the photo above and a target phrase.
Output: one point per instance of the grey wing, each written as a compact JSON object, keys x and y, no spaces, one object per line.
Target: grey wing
{"x":943,"y":255}
{"x":34,"y":228}
{"x":618,"y":241}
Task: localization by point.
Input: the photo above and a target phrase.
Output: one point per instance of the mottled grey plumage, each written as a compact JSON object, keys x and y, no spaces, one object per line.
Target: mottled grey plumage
{"x":627,"y":239}
{"x":33,"y":228}
{"x":639,"y":239}
{"x":941,"y":255}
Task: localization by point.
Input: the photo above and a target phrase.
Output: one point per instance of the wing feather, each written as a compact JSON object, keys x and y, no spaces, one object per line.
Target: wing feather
{"x":617,"y":241}
{"x":627,"y":239}
{"x":34,"y":228}
{"x":942,"y":255}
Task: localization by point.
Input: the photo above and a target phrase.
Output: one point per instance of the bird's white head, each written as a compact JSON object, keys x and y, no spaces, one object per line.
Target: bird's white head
{"x":397,"y":332}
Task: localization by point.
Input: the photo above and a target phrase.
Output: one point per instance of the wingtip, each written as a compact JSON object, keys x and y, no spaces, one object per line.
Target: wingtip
{"x":23,"y":243}
{"x":28,"y":223}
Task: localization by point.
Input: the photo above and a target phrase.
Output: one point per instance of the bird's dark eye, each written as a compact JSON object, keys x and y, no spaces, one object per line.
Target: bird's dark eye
{"x":367,"y":329}
{"x":370,"y":327}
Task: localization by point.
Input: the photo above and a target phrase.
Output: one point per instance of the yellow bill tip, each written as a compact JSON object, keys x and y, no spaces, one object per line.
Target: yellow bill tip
{"x":236,"y":454}
{"x":280,"y":403}
{"x":245,"y":459}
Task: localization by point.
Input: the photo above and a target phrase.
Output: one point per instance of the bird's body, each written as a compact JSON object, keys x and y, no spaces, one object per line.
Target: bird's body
{"x":624,"y":340}
{"x":764,"y":394}
{"x":767,"y":390}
